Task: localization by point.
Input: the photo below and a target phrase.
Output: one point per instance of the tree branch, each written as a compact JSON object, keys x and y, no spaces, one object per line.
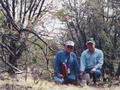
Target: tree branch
{"x":36,"y":8}
{"x":21,"y":4}
{"x":13,"y":8}
{"x":40,"y":9}
{"x":30,"y":31}
{"x":10,"y":65}
{"x":11,"y":20}
{"x":31,"y":9}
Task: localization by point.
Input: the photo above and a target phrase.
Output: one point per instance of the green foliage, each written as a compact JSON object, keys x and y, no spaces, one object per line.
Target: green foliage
{"x":107,"y":45}
{"x":1,"y":18}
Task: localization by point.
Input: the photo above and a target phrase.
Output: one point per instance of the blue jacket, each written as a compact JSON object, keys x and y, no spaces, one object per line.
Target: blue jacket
{"x":71,"y":62}
{"x":88,"y":60}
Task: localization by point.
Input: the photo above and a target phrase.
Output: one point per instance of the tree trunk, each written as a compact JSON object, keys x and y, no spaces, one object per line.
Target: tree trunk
{"x":118,"y":71}
{"x":12,"y":58}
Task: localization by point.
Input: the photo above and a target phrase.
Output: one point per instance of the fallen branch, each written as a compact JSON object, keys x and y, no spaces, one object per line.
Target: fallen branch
{"x":10,"y":65}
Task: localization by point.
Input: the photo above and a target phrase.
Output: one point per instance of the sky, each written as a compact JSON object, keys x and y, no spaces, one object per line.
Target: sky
{"x":53,"y":24}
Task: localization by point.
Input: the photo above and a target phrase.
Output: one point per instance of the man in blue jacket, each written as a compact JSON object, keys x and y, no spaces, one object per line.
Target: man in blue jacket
{"x":66,"y":67}
{"x":91,"y":60}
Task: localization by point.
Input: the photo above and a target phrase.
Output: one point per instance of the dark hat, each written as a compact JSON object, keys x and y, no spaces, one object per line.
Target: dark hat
{"x":90,"y":40}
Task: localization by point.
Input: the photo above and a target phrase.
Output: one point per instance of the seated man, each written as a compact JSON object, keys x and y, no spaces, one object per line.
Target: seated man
{"x":91,"y":60}
{"x":66,"y":67}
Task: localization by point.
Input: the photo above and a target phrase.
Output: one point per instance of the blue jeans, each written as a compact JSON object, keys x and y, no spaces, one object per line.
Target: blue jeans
{"x":96,"y":75}
{"x":70,"y":79}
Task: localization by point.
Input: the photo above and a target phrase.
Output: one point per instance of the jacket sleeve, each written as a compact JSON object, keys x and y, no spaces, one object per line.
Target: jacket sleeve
{"x":57,"y":65}
{"x":99,"y":60}
{"x":76,"y":66}
{"x":82,"y":62}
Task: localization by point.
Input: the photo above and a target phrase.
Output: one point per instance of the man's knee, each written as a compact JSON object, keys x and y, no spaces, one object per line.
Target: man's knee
{"x":72,"y":79}
{"x":98,"y":72}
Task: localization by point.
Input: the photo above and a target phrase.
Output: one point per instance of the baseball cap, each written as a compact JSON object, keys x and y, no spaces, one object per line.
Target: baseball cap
{"x":90,"y":40}
{"x":71,"y":43}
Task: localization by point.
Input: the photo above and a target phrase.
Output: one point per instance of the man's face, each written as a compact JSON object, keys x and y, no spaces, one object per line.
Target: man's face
{"x":91,"y":47}
{"x":68,"y":48}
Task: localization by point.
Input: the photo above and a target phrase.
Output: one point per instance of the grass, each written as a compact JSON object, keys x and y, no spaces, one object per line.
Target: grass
{"x":18,"y":83}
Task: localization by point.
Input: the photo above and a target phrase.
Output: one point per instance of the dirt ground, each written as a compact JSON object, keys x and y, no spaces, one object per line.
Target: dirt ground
{"x":45,"y":85}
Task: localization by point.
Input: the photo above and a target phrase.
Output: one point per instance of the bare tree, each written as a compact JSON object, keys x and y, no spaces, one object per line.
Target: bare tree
{"x":21,"y":18}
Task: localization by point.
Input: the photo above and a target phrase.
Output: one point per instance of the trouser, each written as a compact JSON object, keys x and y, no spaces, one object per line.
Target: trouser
{"x":70,"y":79}
{"x":96,"y":75}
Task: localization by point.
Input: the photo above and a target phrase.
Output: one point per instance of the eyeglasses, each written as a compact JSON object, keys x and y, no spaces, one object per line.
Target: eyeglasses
{"x":70,"y":47}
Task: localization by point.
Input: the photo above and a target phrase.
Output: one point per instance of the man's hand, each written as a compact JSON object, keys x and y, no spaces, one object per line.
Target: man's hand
{"x":81,"y":72}
{"x":93,"y":70}
{"x":60,"y":76}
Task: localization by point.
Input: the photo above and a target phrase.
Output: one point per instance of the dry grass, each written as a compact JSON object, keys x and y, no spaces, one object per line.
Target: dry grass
{"x":19,"y":83}
{"x":45,"y":85}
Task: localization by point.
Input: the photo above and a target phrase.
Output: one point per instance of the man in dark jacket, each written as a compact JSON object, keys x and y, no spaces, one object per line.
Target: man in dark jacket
{"x":66,"y":67}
